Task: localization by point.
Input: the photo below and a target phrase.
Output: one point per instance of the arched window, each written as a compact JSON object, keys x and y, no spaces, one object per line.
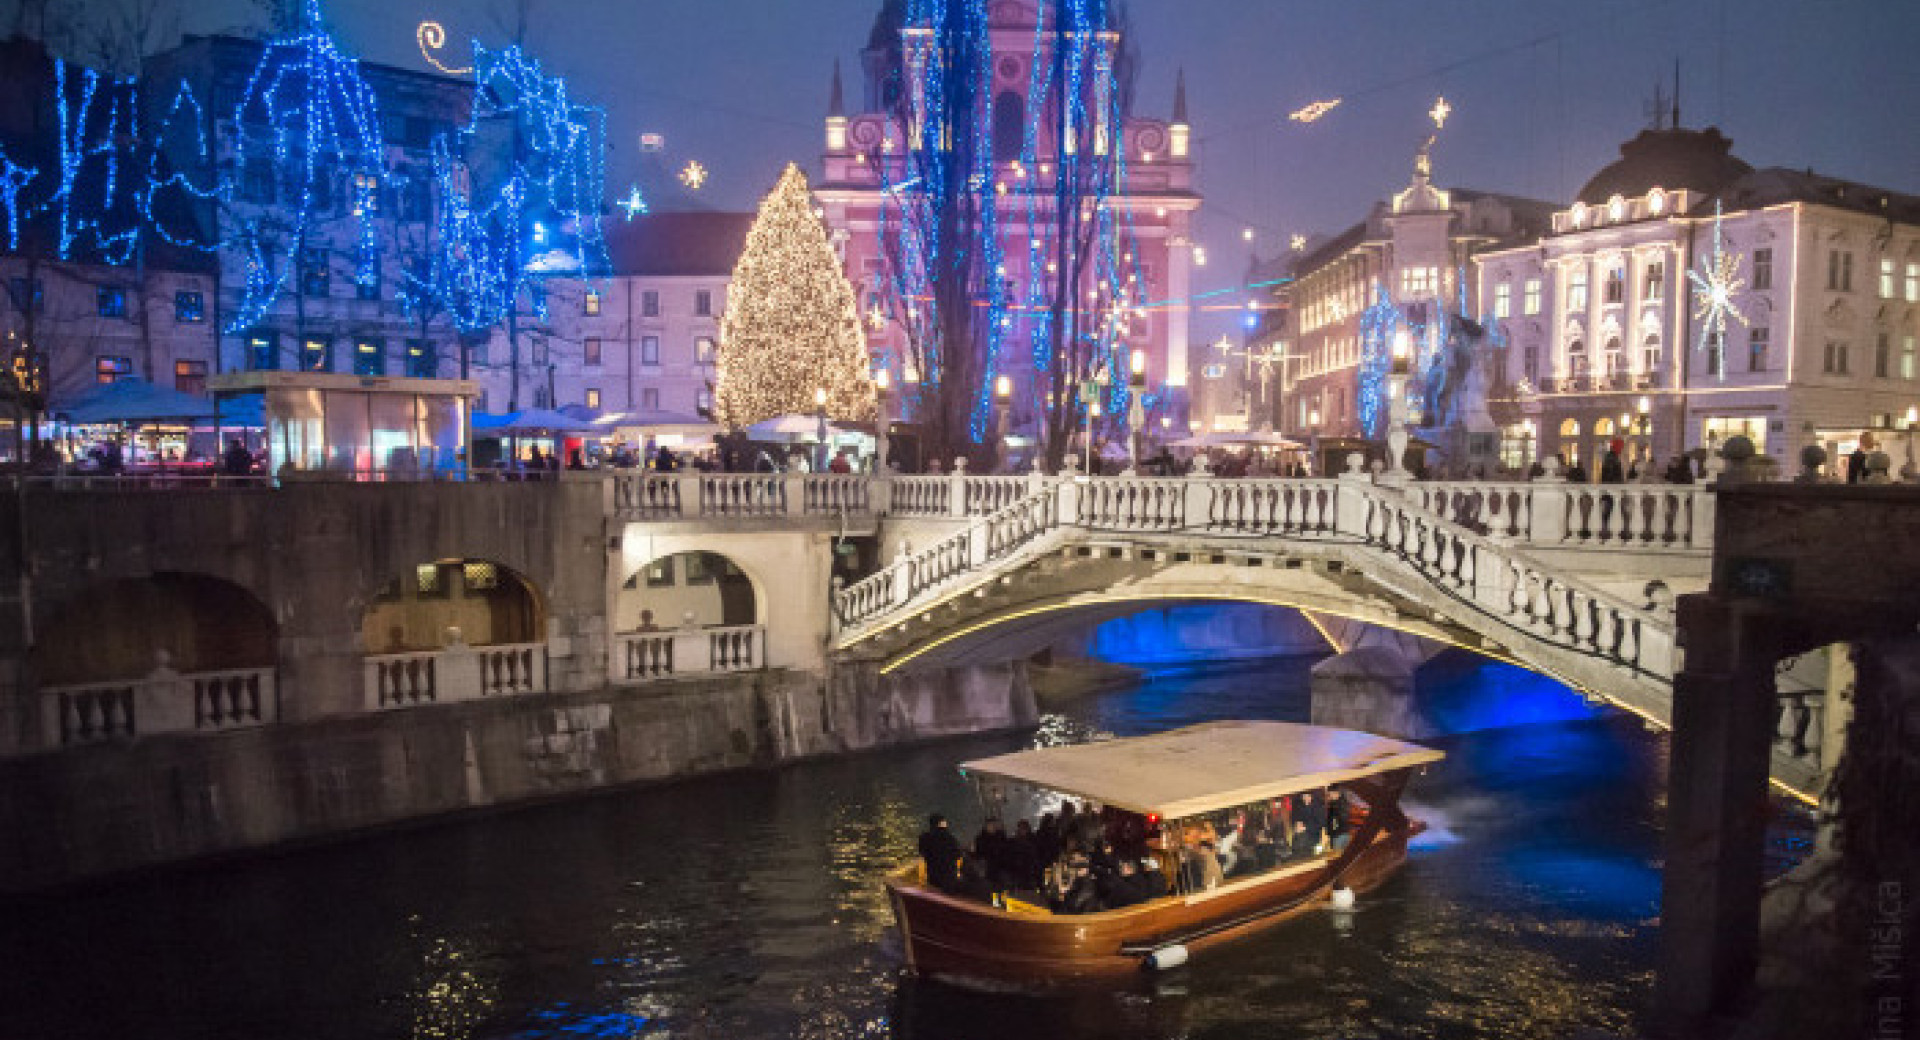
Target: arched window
{"x":1569,"y":427}
{"x":1577,"y":359}
{"x":1614,"y":362}
{"x":1009,"y":126}
{"x":1603,"y":428}
{"x":1650,"y":355}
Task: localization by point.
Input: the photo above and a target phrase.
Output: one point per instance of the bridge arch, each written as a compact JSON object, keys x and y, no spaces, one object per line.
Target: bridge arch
{"x":489,"y":603}
{"x":122,"y":628}
{"x":694,"y":588}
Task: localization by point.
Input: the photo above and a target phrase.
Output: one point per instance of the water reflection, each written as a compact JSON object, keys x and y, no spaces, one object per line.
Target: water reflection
{"x":750,"y":906}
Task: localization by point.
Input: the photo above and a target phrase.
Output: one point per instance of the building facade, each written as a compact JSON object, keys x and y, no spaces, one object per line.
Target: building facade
{"x":1610,"y":335}
{"x":1154,"y":203}
{"x":642,"y":339}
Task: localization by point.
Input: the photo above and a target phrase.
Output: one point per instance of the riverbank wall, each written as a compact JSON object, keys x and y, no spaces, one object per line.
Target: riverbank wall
{"x":110,"y":809}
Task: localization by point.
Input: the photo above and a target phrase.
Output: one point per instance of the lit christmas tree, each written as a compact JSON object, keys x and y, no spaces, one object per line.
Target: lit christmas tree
{"x":790,"y":326}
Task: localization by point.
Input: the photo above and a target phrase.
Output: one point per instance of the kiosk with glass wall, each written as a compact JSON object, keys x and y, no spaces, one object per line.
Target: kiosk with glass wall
{"x":371,"y":426}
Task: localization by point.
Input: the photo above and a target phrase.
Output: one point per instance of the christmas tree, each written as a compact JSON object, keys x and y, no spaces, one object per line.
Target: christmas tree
{"x":790,"y":326}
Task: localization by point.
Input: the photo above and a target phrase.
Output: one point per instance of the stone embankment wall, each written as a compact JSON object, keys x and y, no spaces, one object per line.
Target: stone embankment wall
{"x":97,"y":811}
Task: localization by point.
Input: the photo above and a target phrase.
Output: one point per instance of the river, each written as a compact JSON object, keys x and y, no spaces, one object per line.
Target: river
{"x":748,"y":906}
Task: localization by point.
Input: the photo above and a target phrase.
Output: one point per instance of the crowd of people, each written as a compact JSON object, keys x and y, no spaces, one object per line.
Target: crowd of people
{"x":1084,"y":859}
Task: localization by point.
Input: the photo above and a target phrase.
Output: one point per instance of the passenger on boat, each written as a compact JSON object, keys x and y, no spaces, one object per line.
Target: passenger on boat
{"x":1257,"y":840}
{"x":1304,"y":842}
{"x":990,"y":849}
{"x":1338,"y":832}
{"x":1074,"y":892}
{"x":1123,"y":886}
{"x":1023,"y":857}
{"x":1230,"y":846}
{"x":941,"y":853}
{"x":1104,"y":860}
{"x":1201,"y":869}
{"x":1046,"y":840}
{"x":1313,"y":812}
{"x":1091,"y":829}
{"x":1153,"y":880}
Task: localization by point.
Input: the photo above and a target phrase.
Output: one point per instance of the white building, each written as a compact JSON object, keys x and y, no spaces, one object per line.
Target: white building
{"x":640,"y":340}
{"x":1605,"y":331}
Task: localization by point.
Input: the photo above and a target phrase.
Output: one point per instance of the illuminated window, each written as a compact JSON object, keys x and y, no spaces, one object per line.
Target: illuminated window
{"x":263,"y":351}
{"x":1531,"y":304}
{"x":370,"y":357}
{"x":1503,"y":300}
{"x":1907,"y":360}
{"x":1886,"y":278}
{"x":422,"y":363}
{"x":1577,"y":289}
{"x":591,"y":303}
{"x":1656,"y":287}
{"x":109,"y":369}
{"x":703,"y":350}
{"x":593,"y":397}
{"x":316,"y":355}
{"x":1913,"y":283}
{"x":190,"y":377}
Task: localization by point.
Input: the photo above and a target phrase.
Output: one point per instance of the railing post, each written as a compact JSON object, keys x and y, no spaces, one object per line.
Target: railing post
{"x":879,"y":494}
{"x":458,"y":670}
{"x":1066,"y":500}
{"x":1350,"y":511}
{"x":1196,"y":500}
{"x":957,"y":489}
{"x":1549,"y":505}
{"x":897,"y":589}
{"x":1705,"y":502}
{"x":793,"y":493}
{"x":686,"y":493}
{"x":159,"y":700}
{"x":692,"y":651}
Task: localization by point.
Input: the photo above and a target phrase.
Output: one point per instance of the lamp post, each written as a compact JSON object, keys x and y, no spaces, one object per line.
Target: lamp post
{"x":1911,"y":472}
{"x":1528,"y":431}
{"x":1002,"y":402}
{"x":820,"y":431}
{"x":1643,"y":427}
{"x":1092,"y":391}
{"x":1397,"y":404}
{"x":882,"y":384}
{"x":1136,"y":412}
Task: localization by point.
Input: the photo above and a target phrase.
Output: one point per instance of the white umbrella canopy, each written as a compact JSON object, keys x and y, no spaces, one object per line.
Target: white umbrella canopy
{"x":532,"y":422}
{"x":790,"y":427}
{"x":1259,"y":438}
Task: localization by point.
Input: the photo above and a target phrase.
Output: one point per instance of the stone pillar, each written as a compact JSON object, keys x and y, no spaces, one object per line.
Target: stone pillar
{"x":1723,"y":725}
{"x":957,"y":489}
{"x":1549,"y":504}
{"x":1350,"y":505}
{"x":456,"y":674}
{"x":686,"y":492}
{"x":163,"y":701}
{"x":880,"y":493}
{"x":793,"y":493}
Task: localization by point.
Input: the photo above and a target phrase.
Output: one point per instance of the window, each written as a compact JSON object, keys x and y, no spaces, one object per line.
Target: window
{"x":1577,"y":290}
{"x":1763,"y":269}
{"x":1656,"y":286}
{"x":1835,"y":360}
{"x":366,"y":281}
{"x":590,"y":352}
{"x":189,"y":306}
{"x":1614,"y":360}
{"x":590,"y":304}
{"x":316,"y":355}
{"x":27,"y":296}
{"x":107,"y":369}
{"x":1503,"y":300}
{"x":703,"y":303}
{"x":1906,"y":358}
{"x":112,"y":301}
{"x":1616,"y":285}
{"x":1533,"y":365}
{"x":660,"y":573}
{"x":650,"y":304}
{"x":1650,"y":355}
{"x":370,"y":357}
{"x":1913,"y":282}
{"x":1716,"y":355}
{"x":1883,"y":356}
{"x":1758,"y":343}
{"x":650,"y":399}
{"x":1839,"y":271}
{"x":315,"y":278}
{"x":703,"y":402}
{"x":1886,"y":278}
{"x":190,"y":377}
{"x":1846,"y":272}
{"x":422,"y":362}
{"x":593,"y":397}
{"x":1532,"y":301}
{"x":649,"y":350}
{"x":703,"y":350}
{"x":537,"y":349}
{"x":263,"y":351}
{"x":366,"y":194}
{"x":540,"y":397}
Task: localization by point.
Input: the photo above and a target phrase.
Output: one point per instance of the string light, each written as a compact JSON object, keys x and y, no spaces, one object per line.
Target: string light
{"x":633,"y":204}
{"x":1311,"y":112}
{"x":1439,"y":113}
{"x":790,"y":324}
{"x":693,"y":175}
{"x":1714,"y":284}
{"x":432,"y":36}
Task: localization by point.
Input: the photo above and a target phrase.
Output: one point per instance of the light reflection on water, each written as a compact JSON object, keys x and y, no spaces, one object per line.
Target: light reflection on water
{"x":749,"y":906}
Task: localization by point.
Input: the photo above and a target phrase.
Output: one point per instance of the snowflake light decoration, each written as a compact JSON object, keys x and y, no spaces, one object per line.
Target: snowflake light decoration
{"x":1314,"y":110}
{"x":633,"y":204}
{"x":1714,"y":285}
{"x":694,"y":175}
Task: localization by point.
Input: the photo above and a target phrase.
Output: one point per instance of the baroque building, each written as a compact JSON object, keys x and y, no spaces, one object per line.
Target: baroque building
{"x":1608,"y":335}
{"x":1153,"y":203}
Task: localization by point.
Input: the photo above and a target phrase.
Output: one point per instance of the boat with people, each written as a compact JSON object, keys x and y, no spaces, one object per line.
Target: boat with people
{"x":1235,"y":825}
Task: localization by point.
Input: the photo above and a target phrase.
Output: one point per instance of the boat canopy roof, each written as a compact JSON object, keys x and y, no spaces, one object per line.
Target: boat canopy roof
{"x":1207,"y":767}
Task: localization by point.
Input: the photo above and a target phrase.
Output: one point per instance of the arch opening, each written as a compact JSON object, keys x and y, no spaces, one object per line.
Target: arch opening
{"x":686,"y":590}
{"x":487,"y":602}
{"x":123,"y":629}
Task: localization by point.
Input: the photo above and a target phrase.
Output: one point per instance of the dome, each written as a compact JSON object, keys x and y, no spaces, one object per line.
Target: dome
{"x":1695,"y":160}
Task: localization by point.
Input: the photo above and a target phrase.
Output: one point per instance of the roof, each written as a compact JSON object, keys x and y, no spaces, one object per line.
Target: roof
{"x":677,"y":243}
{"x":1696,"y":160}
{"x":1774,"y":185}
{"x":1206,"y":767}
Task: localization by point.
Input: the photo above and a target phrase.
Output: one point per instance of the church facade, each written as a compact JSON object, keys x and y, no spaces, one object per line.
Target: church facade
{"x":1152,"y":209}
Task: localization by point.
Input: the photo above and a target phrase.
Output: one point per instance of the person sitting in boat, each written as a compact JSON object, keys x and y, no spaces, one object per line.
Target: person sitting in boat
{"x":1338,"y":831}
{"x":1074,"y":892}
{"x":1201,"y":869}
{"x":990,"y":851}
{"x":1313,"y":812}
{"x":941,"y":853}
{"x":1153,"y":880}
{"x":1230,"y":848}
{"x":1256,"y":840}
{"x":1046,"y":840}
{"x":1122,"y":887}
{"x":1023,"y":857}
{"x":1304,"y":842}
{"x":1105,"y":861}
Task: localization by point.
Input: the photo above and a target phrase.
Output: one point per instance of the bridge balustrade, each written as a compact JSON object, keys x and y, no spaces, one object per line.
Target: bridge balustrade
{"x":835,"y":493}
{"x":1554,"y":514}
{"x":920,"y":496}
{"x":164,"y":702}
{"x":649,"y":656}
{"x":456,"y":673}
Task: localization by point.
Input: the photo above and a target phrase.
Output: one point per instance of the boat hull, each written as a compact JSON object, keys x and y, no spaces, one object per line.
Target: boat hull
{"x":970,"y":942}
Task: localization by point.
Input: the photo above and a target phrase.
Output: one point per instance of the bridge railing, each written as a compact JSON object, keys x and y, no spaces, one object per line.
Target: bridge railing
{"x":649,"y":656}
{"x":456,"y":673}
{"x":1555,"y":514}
{"x":162,"y":702}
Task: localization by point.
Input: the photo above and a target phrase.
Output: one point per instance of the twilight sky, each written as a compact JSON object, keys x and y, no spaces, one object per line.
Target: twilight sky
{"x":1543,"y":90}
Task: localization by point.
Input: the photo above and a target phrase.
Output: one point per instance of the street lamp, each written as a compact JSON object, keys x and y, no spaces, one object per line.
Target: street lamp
{"x":1136,"y":412}
{"x":1643,"y":425}
{"x":1397,"y":402}
{"x":882,"y":384}
{"x":1911,"y":472}
{"x":820,"y":432}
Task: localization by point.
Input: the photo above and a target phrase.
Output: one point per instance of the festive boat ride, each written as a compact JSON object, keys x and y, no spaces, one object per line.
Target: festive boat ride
{"x":1171,"y":782}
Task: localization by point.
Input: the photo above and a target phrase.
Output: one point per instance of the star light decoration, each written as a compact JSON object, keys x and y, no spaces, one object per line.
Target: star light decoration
{"x":1439,"y":113}
{"x":1298,"y":243}
{"x":633,"y":204}
{"x":1313,"y":111}
{"x":1714,"y":284}
{"x":693,"y":175}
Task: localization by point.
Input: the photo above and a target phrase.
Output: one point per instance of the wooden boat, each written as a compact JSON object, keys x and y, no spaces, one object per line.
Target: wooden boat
{"x":1181,"y":775}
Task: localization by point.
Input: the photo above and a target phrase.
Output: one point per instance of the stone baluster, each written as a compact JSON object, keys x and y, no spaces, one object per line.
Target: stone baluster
{"x":1351,"y":512}
{"x":957,"y":489}
{"x":792,"y":489}
{"x":1550,"y":502}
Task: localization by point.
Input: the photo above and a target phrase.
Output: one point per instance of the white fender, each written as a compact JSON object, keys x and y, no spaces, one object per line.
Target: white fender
{"x":1167,"y":957}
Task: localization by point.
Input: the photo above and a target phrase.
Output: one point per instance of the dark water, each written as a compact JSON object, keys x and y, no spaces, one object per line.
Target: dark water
{"x":748,"y":906}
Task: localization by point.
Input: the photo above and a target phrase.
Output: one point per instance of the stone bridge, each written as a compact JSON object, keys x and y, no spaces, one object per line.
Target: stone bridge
{"x":1574,"y":581}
